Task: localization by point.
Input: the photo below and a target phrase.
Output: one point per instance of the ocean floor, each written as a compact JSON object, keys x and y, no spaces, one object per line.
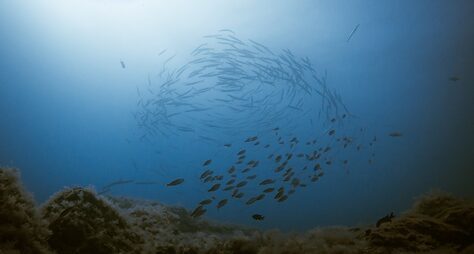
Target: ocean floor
{"x":78,"y":220}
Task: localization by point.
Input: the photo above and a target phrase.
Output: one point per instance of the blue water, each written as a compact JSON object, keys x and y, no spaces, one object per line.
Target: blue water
{"x":68,"y":107}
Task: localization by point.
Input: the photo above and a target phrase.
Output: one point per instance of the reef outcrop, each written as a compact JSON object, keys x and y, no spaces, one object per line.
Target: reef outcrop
{"x":77,"y":220}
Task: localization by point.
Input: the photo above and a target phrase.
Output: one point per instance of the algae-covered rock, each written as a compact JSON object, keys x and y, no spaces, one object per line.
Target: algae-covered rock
{"x":21,"y":230}
{"x":81,"y":222}
{"x":437,"y":221}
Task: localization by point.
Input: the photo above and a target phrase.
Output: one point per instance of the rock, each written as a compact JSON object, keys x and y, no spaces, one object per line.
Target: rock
{"x":81,"y":222}
{"x":21,"y":229}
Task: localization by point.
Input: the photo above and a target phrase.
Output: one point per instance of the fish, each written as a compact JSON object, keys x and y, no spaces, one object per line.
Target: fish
{"x":247,"y":169}
{"x":283,"y":198}
{"x":353,"y":32}
{"x":231,"y":170}
{"x":295,"y":182}
{"x":241,"y":152}
{"x":268,"y":190}
{"x":241,"y":184}
{"x":277,"y":158}
{"x":227,"y":145}
{"x":228,"y":188}
{"x":251,"y":139}
{"x":123,"y":64}
{"x":258,"y":217}
{"x":146,"y":182}
{"x":267,"y":146}
{"x":175,"y":182}
{"x":267,"y":181}
{"x":239,"y":195}
{"x":279,"y":194}
{"x":251,"y":177}
{"x":207,"y":162}
{"x":279,"y":168}
{"x":206,"y":173}
{"x":395,"y":134}
{"x":205,"y":202}
{"x":454,"y":78}
{"x":231,"y":181}
{"x":221,"y":203}
{"x":251,"y":201}
{"x":251,"y":162}
{"x":208,"y":179}
{"x":198,"y":212}
{"x":214,"y":187}
{"x":119,"y":182}
{"x":331,"y":132}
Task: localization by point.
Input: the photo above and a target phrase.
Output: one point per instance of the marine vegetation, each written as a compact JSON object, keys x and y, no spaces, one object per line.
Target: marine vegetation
{"x":78,"y":220}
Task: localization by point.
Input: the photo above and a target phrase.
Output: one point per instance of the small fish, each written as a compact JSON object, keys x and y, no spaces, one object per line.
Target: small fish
{"x":221,"y":203}
{"x":258,"y":217}
{"x":207,"y":162}
{"x":231,"y":170}
{"x":295,"y":182}
{"x":245,"y":170}
{"x":268,"y":190}
{"x":231,"y":181}
{"x":206,"y":173}
{"x":198,"y":212}
{"x":353,"y":32}
{"x":395,"y":134}
{"x":205,"y":202}
{"x":267,"y":146}
{"x":239,"y":195}
{"x":241,"y":152}
{"x":228,"y":188}
{"x":267,"y":181}
{"x":214,"y":187}
{"x":279,"y":194}
{"x":283,"y":198}
{"x":279,"y":168}
{"x":256,"y":143}
{"x":208,"y":179}
{"x":331,"y":132}
{"x":175,"y":182}
{"x":251,"y":139}
{"x":251,"y":177}
{"x":276,"y":129}
{"x":278,"y":158}
{"x":453,"y":78}
{"x":227,"y":145}
{"x":123,"y":64}
{"x":317,"y":166}
{"x":241,"y":184}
